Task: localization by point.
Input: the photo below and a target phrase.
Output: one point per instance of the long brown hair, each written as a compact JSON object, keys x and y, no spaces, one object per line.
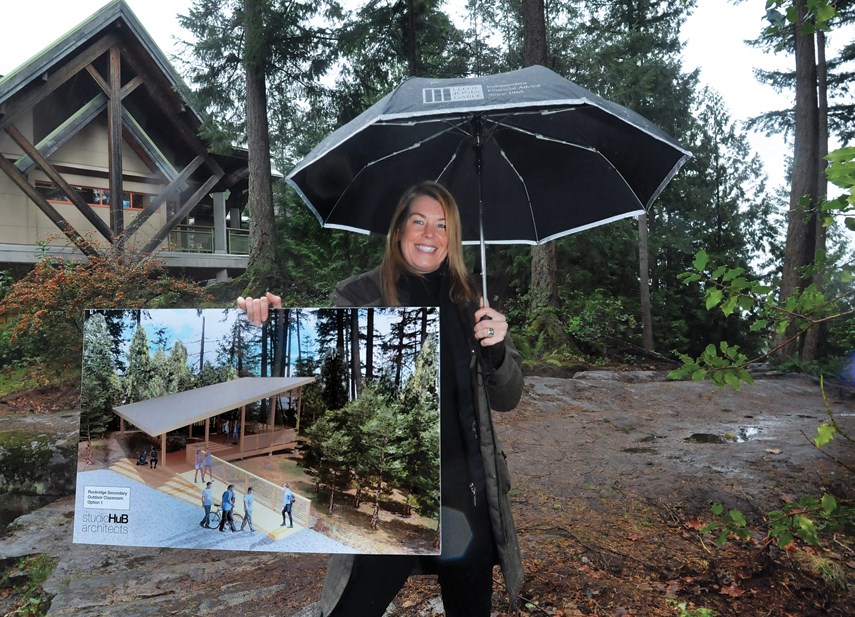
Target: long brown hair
{"x":461,"y":288}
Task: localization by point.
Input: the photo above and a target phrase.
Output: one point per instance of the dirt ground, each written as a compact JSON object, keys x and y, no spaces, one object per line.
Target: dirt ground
{"x":614,"y":474}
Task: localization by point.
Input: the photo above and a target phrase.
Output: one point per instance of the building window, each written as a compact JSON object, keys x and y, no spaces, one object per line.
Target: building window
{"x":95,"y":197}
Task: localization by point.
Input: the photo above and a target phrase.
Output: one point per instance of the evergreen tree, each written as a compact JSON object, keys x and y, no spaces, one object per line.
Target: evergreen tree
{"x":99,"y":384}
{"x":418,"y":408}
{"x":380,"y":464}
{"x":138,"y":376}
{"x":181,"y":378}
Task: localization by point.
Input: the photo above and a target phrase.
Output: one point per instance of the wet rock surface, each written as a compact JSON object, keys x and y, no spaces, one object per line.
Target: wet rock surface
{"x":605,"y":475}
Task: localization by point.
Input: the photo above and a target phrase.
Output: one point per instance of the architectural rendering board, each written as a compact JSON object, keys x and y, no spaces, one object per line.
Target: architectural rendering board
{"x":316,"y":431}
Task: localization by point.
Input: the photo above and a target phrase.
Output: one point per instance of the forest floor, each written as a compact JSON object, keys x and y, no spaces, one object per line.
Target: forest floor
{"x":614,"y":474}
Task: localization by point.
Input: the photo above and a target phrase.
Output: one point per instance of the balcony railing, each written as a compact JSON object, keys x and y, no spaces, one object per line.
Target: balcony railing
{"x":200,"y":239}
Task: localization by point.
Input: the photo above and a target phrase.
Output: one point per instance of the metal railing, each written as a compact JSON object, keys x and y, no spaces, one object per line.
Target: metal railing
{"x":200,"y":239}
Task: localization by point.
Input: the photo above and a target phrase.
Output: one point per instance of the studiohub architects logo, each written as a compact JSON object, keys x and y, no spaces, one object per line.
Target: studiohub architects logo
{"x":115,"y":498}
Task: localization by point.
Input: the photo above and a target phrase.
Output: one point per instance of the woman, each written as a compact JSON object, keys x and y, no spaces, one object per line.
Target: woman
{"x":423,"y":266}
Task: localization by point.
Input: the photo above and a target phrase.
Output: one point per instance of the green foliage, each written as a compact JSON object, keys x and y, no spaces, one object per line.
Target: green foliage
{"x":24,"y":584}
{"x":684,"y":610}
{"x":729,"y":290}
{"x":100,"y":388}
{"x":45,"y":308}
{"x":726,"y":524}
{"x":806,"y":518}
{"x":598,"y":320}
{"x":781,"y":13}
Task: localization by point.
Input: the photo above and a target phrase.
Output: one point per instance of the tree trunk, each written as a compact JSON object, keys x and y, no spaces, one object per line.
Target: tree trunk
{"x":815,"y":337}
{"x":261,"y":222}
{"x":410,"y":38}
{"x":644,"y":284}
{"x":369,"y":346}
{"x":801,"y":232}
{"x":544,"y":281}
{"x":355,"y":367}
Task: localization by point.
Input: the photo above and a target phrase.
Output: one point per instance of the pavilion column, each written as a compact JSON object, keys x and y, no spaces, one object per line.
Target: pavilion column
{"x":271,"y":422}
{"x":163,"y":449}
{"x":207,"y":433}
{"x":299,"y":408}
{"x":242,"y":428}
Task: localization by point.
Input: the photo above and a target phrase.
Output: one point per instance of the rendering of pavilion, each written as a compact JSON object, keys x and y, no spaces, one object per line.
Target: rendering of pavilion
{"x":159,"y":416}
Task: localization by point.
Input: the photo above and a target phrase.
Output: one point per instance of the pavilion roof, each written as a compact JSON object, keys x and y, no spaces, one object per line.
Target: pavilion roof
{"x":160,"y":415}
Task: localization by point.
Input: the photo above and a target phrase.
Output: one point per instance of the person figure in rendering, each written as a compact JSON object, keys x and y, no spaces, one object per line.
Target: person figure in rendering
{"x":235,"y":432}
{"x":226,"y":431}
{"x":208,"y":466}
{"x":248,"y":500}
{"x":153,"y":458}
{"x":207,"y":502}
{"x":228,"y":509}
{"x":143,"y":458}
{"x":480,"y":369}
{"x":287,"y":504}
{"x":197,"y":465}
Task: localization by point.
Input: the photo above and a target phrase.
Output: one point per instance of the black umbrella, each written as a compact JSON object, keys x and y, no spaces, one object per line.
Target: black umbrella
{"x":528,"y":155}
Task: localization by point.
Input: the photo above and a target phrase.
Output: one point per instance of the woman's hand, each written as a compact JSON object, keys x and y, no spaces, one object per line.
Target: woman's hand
{"x":491,"y":327}
{"x":256,"y":309}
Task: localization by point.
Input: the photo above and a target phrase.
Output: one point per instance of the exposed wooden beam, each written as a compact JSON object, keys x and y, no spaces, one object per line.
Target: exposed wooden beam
{"x":172,"y":113}
{"x":56,"y":79}
{"x":147,"y":145}
{"x":183,"y":211}
{"x":30,"y":191}
{"x":102,"y":83}
{"x":65,"y":131}
{"x":57,"y":179}
{"x":114,"y":142}
{"x":173,"y":187}
{"x":132,"y":85}
{"x":236,"y":176}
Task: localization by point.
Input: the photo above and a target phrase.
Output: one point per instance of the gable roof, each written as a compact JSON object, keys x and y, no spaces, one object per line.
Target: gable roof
{"x":160,"y":415}
{"x":116,"y":17}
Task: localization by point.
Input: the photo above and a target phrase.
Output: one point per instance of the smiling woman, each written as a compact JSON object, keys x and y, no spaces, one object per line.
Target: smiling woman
{"x":424,"y":242}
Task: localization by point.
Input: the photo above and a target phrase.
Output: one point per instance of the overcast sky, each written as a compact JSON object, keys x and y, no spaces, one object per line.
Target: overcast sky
{"x":714,"y":37}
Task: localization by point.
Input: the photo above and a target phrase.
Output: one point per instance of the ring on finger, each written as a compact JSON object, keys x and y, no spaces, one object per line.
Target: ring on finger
{"x":490,"y":332}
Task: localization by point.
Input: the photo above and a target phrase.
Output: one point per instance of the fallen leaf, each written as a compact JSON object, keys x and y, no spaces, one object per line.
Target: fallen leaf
{"x":774,"y":450}
{"x":694,"y":523}
{"x":733,"y":590}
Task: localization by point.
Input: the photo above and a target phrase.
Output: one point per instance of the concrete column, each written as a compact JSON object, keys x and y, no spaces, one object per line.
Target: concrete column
{"x":220,"y":245}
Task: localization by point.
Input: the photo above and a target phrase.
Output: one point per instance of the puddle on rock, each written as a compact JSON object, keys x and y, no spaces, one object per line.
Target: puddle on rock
{"x":745,"y":433}
{"x":705,"y":438}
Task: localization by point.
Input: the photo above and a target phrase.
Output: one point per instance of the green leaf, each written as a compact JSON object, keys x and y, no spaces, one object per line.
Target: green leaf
{"x":718,"y":272}
{"x":732,"y":274}
{"x":729,"y":306}
{"x":713,"y":298}
{"x":824,"y":434}
{"x":732,"y":380}
{"x":717,"y":509}
{"x":701,"y":259}
{"x":829,"y":504}
{"x":737,"y":517}
{"x":758,"y":325}
{"x":850,"y":223}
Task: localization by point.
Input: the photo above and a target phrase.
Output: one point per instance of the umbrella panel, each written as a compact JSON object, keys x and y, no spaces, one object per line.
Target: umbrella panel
{"x":571,"y":187}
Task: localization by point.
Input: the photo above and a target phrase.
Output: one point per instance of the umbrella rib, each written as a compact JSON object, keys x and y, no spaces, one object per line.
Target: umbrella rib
{"x":370,"y":164}
{"x":572,"y":145}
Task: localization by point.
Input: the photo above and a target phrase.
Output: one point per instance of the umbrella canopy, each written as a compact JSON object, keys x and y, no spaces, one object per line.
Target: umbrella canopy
{"x":551,"y":159}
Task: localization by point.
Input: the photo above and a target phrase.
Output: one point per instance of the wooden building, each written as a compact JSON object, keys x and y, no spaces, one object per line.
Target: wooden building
{"x":100,"y":113}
